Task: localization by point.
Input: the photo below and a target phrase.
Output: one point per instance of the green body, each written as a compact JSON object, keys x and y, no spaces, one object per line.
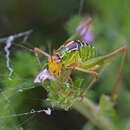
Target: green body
{"x":86,"y":58}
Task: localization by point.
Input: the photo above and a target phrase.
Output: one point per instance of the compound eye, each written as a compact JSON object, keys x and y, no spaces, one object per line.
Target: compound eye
{"x":58,"y":60}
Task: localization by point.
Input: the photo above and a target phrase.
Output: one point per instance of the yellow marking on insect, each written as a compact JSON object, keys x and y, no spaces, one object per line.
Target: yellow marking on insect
{"x":54,"y":67}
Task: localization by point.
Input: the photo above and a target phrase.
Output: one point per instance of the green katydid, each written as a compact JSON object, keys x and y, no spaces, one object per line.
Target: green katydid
{"x":81,"y":56}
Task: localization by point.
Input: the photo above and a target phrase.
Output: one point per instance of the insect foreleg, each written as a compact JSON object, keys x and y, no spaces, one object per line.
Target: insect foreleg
{"x":73,"y":65}
{"x":91,"y":83}
{"x":65,"y":78}
{"x":36,"y":51}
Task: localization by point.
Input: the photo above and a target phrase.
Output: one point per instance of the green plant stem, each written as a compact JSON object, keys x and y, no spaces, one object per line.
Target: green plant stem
{"x":89,"y":110}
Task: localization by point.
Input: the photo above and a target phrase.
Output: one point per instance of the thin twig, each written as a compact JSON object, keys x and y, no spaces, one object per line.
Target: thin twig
{"x":8,"y":41}
{"x":26,"y":33}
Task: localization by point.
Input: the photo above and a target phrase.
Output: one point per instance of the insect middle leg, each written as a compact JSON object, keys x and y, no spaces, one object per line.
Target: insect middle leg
{"x":91,"y":83}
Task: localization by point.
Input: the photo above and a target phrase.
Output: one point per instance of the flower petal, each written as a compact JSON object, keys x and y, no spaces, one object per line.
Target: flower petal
{"x":48,"y":111}
{"x":42,"y":76}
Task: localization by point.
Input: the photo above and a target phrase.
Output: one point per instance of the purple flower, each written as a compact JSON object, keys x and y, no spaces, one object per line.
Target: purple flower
{"x":85,"y":30}
{"x":80,"y":26}
{"x":88,"y":36}
{"x":48,"y":111}
{"x":43,"y":76}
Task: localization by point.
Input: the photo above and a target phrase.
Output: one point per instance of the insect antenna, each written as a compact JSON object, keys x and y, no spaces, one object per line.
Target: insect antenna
{"x":23,"y":46}
{"x":49,"y":47}
{"x":81,"y":6}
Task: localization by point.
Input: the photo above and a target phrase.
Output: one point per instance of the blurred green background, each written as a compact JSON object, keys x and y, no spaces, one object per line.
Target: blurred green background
{"x":48,"y":19}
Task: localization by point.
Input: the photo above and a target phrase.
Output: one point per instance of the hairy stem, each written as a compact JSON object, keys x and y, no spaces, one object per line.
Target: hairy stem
{"x":89,"y":110}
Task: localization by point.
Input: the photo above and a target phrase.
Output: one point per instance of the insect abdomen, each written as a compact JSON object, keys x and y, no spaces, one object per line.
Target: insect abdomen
{"x":86,"y":50}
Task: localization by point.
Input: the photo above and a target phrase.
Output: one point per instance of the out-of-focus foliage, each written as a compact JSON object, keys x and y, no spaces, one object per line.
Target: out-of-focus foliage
{"x":49,"y":20}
